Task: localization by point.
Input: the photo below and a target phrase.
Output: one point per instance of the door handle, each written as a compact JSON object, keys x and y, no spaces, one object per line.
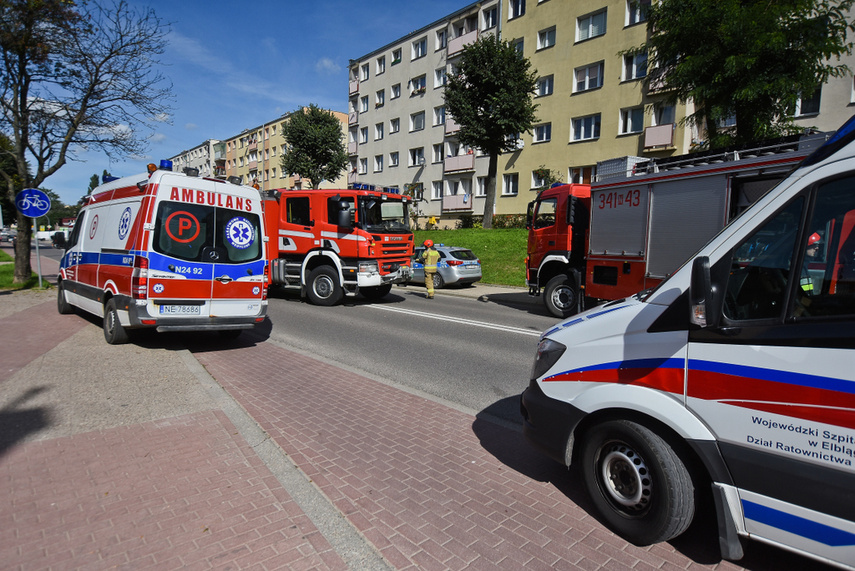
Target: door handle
{"x":224,"y":279}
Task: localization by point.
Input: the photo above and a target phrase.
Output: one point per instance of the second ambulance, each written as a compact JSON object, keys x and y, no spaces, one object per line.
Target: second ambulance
{"x":733,"y":380}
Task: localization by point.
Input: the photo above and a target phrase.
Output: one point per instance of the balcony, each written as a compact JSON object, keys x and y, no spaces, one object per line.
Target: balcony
{"x":659,"y":136}
{"x":352,"y":148}
{"x":253,"y":166}
{"x":354,"y":87}
{"x":450,"y":126}
{"x":252,"y":145}
{"x":353,"y":118}
{"x":457,"y":44}
{"x":457,"y":203}
{"x":459,"y":163}
{"x":352,"y":177}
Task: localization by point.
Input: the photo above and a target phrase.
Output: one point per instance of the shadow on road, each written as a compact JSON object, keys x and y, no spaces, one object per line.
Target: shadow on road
{"x":17,"y":423}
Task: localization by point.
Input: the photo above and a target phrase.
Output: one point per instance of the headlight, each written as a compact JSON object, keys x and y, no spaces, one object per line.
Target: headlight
{"x":548,"y":353}
{"x":368,"y":267}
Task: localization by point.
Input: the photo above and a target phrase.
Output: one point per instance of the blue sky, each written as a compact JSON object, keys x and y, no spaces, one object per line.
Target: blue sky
{"x":235,"y":65}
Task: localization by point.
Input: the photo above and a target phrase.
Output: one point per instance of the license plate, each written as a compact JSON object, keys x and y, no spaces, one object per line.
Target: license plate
{"x":181,"y":310}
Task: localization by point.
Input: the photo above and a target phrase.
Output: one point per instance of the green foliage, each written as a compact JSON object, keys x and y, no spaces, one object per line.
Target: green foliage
{"x":316,"y":148}
{"x":501,"y":251}
{"x":748,"y":59}
{"x":491,"y":98}
{"x":7,"y":274}
{"x":548,"y":176}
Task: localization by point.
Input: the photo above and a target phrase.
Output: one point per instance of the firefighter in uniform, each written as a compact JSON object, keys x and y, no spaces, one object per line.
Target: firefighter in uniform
{"x":430,"y":258}
{"x":811,"y":253}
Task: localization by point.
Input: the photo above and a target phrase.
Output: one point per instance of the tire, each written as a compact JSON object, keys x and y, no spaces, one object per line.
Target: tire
{"x":62,"y":305}
{"x":114,"y":332}
{"x":639,"y":486}
{"x":560,"y":297}
{"x":376,"y":292}
{"x":438,"y":282}
{"x":324,"y":288}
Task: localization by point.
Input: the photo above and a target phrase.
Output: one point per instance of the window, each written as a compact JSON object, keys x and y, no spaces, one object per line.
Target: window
{"x":544,"y":213}
{"x":417,"y":156}
{"x":363,"y":166}
{"x":437,"y":153}
{"x":378,"y":163}
{"x":381,"y":65}
{"x":586,"y":128}
{"x":396,"y":56}
{"x":664,"y":114}
{"x":378,"y":131}
{"x":363,"y":135}
{"x":546,"y":38}
{"x":441,"y":39}
{"x":636,"y":11}
{"x":631,"y":120}
{"x":517,"y":9}
{"x":363,"y":104}
{"x":396,"y":91}
{"x":364,"y":72}
{"x":591,"y":26}
{"x":489,"y":18}
{"x":634,"y":66}
{"x":440,"y":77}
{"x":380,"y":98}
{"x":581,"y":175}
{"x":417,"y":84}
{"x":588,"y":77}
{"x":809,"y":105}
{"x":393,"y":159}
{"x":511,"y":184}
{"x":545,"y":86}
{"x":436,"y":189}
{"x":543,"y":133}
{"x":419,"y":48}
{"x":519,"y":45}
{"x":297,"y":210}
{"x":481,"y":186}
{"x":417,"y":121}
{"x":439,"y":115}
{"x":394,"y":125}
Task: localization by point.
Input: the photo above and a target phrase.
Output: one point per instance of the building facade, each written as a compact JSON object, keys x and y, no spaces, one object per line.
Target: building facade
{"x":593,"y":105}
{"x":208,"y":158}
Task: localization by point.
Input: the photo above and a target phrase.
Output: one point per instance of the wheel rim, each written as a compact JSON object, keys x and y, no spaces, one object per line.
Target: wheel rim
{"x":111,"y":323}
{"x":323,"y":287}
{"x":562,"y":297}
{"x":625,"y":478}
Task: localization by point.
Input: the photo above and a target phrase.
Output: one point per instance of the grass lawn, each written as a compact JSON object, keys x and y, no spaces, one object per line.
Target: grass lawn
{"x":7,"y":274}
{"x":501,"y":251}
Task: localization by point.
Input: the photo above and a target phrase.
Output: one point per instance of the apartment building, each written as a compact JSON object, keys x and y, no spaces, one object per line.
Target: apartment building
{"x":593,"y":105}
{"x":208,"y":158}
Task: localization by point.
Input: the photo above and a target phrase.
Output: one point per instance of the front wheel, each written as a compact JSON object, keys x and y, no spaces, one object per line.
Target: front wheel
{"x":114,"y":332}
{"x":62,"y":305}
{"x":376,"y":292}
{"x":560,"y":296}
{"x":324,"y":288}
{"x":638,"y":484}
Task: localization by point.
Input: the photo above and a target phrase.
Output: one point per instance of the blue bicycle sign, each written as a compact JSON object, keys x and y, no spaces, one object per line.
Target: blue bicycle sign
{"x":32,"y":202}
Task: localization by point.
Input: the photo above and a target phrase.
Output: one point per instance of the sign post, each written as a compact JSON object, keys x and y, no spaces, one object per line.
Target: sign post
{"x":33,"y":203}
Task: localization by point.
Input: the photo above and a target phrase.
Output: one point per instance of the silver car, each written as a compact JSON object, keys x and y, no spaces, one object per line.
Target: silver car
{"x":456,"y":266}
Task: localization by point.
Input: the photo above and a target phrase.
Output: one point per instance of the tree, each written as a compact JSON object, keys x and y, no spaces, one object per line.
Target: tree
{"x":745,"y":59}
{"x":315,"y":142}
{"x":74,"y":77}
{"x":491,"y":98}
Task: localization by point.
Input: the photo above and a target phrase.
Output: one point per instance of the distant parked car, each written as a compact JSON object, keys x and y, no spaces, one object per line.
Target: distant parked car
{"x":456,"y":266}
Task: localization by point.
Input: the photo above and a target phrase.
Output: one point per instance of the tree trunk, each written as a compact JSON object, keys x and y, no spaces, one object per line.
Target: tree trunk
{"x":23,"y":268}
{"x":490,"y":198}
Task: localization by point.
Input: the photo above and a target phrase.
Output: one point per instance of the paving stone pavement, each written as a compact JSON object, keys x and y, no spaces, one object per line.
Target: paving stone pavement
{"x":170,"y":453}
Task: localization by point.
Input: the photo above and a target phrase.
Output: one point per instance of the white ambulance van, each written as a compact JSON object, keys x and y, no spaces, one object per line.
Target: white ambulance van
{"x":167,"y":251}
{"x":733,"y":380}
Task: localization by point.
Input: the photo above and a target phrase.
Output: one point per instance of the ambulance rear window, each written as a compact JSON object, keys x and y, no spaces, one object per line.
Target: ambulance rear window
{"x":201,"y":233}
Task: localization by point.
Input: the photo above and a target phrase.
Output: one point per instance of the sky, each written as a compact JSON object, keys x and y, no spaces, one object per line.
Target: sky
{"x":235,"y":65}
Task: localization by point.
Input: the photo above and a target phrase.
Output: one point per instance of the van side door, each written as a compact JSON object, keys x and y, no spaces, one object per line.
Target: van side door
{"x":775,"y":380}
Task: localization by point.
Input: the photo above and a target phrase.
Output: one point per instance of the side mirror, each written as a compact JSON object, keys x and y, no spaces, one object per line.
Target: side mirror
{"x":529,"y":215}
{"x":343,"y":217}
{"x":701,"y":292}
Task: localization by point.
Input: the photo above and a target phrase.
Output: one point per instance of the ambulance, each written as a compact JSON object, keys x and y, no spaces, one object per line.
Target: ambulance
{"x":731,"y":383}
{"x":167,"y":251}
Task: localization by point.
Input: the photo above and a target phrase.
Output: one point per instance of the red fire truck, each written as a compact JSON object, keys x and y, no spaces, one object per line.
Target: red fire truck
{"x":629,"y":231}
{"x":331,"y":243}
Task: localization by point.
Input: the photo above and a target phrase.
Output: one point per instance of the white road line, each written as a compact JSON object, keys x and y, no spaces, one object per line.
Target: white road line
{"x":457,"y":320}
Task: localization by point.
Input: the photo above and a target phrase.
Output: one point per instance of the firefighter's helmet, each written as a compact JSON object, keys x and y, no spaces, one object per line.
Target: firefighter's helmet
{"x":813,"y":239}
{"x":428,"y":243}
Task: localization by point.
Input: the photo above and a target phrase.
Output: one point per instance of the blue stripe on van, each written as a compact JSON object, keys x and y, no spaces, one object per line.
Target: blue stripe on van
{"x":776,"y":375}
{"x":819,"y":532}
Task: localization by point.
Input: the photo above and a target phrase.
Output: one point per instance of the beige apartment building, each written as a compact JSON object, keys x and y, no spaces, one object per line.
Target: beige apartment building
{"x":593,"y":105}
{"x":208,"y":158}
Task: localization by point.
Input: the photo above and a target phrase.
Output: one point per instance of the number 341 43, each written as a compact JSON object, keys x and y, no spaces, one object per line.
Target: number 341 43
{"x":630,"y":198}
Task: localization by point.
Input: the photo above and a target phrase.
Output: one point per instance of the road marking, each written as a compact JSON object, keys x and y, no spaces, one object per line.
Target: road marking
{"x":484,"y":324}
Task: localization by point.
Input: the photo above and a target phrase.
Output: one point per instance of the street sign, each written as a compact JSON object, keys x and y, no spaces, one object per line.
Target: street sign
{"x":32,"y":202}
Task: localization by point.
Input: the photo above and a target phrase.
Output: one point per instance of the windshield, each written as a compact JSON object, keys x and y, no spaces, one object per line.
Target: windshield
{"x":389,"y":216}
{"x":202,"y":233}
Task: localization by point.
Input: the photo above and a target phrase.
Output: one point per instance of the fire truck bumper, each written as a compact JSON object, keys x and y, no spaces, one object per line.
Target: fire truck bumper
{"x":400,"y":275}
